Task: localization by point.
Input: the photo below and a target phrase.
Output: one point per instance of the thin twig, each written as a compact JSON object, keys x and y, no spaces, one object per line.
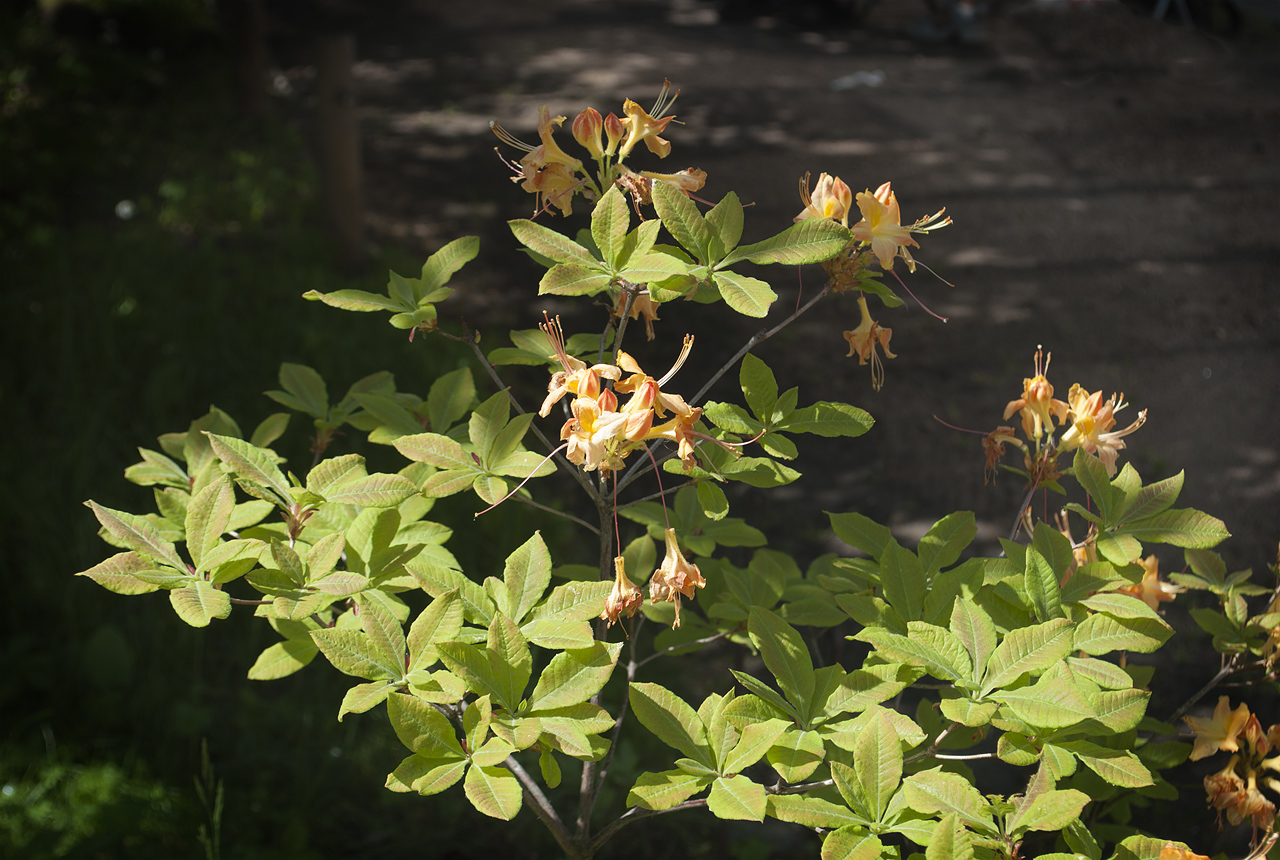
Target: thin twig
{"x":631,"y":291}
{"x":634,"y":814}
{"x":964,"y":757}
{"x":1227,"y":669}
{"x":666,"y":492}
{"x":632,"y":665}
{"x":707,"y":641}
{"x":933,"y":747}
{"x":543,"y":809}
{"x":240,"y":602}
{"x":799,"y":787}
{"x":586,"y":525}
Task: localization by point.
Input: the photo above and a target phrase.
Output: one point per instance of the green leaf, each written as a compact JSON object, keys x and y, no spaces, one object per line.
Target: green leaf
{"x":809,"y":811}
{"x":364,"y":697}
{"x":658,"y":791}
{"x":748,"y":296}
{"x":1152,"y":499}
{"x":354,"y":300}
{"x":944,"y":542}
{"x":526,"y":575}
{"x":570,"y":279}
{"x":1101,"y":634}
{"x":861,"y":532}
{"x":610,"y":221}
{"x":973,"y":627}
{"x":449,"y":399}
{"x":951,"y":841}
{"x":283,"y":659}
{"x":828,"y":419}
{"x":674,"y":722}
{"x":426,"y":775}
{"x":422,"y":728}
{"x":877,"y":760}
{"x":922,"y":649}
{"x":1048,"y":704}
{"x":1118,"y":767}
{"x":1052,"y":810}
{"x":903,"y":579}
{"x":305,"y":387}
{"x":207,"y":517}
{"x":1028,"y":649}
{"x":680,"y":216}
{"x":810,"y":241}
{"x":250,"y":464}
{"x":440,"y":621}
{"x":851,"y":842}
{"x":550,"y":244}
{"x":574,"y":676}
{"x":442,"y":265}
{"x":725,"y":218}
{"x":713,"y":500}
{"x":1185,"y":527}
{"x":379,"y":491}
{"x":353,"y":653}
{"x":1092,"y":475}
{"x":117,"y":574}
{"x":495,"y":791}
{"x":934,"y":791}
{"x":967,"y":712}
{"x":1042,"y":587}
{"x":785,"y":655}
{"x":138,"y":534}
{"x":796,"y":754}
{"x":737,"y":797}
{"x":199,"y":603}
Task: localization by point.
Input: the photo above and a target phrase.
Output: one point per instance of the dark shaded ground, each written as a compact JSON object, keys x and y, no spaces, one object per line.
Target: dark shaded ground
{"x":1112,"y":181}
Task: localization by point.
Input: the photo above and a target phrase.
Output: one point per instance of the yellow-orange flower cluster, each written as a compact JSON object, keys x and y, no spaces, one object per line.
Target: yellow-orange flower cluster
{"x":1235,"y":789}
{"x":602,"y":432}
{"x":556,"y":178}
{"x":1084,"y":419}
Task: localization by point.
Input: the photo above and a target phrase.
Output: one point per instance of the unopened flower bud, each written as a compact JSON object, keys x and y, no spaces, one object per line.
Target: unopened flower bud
{"x":614,"y":130}
{"x":586,"y":131}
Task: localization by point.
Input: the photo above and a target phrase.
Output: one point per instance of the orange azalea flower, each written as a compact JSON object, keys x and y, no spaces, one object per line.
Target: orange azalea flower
{"x":625,"y":598}
{"x":646,"y":392}
{"x":645,"y":126}
{"x":1091,"y":423}
{"x":1037,"y":404}
{"x":675,"y":578}
{"x":1152,"y":590}
{"x":576,"y":378}
{"x":1176,"y":851}
{"x":831,"y":198}
{"x":863,"y":341}
{"x":881,"y":227}
{"x":1220,"y":732}
{"x":689,"y":180}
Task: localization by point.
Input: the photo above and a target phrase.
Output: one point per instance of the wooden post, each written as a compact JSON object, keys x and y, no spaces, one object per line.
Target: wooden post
{"x":340,"y":170}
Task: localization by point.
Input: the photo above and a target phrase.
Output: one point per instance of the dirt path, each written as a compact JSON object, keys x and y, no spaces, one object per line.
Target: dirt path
{"x":1113,"y":183}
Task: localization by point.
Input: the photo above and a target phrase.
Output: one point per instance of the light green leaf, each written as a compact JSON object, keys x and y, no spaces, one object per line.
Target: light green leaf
{"x":1048,"y":704}
{"x":1185,"y":527}
{"x":944,"y":542}
{"x":364,"y":697}
{"x":283,"y":659}
{"x":737,"y":797}
{"x":785,"y":655}
{"x":725,"y":218}
{"x":495,"y":791}
{"x":422,"y":728}
{"x":1042,"y":587}
{"x":1101,"y":634}
{"x":442,"y":265}
{"x":357,"y":300}
{"x":610,"y":221}
{"x":951,"y":841}
{"x":1052,"y":810}
{"x":664,"y":790}
{"x":796,"y":755}
{"x":877,"y":759}
{"x":680,"y":216}
{"x":426,"y":775}
{"x":574,"y":676}
{"x":828,"y":419}
{"x":935,"y":791}
{"x":526,"y":575}
{"x":861,"y":532}
{"x":903,"y":579}
{"x":117,"y":574}
{"x":199,"y":603}
{"x":207,"y":516}
{"x":810,"y":241}
{"x":353,"y":653}
{"x":570,"y":279}
{"x":138,"y":534}
{"x":671,"y":719}
{"x":748,"y":296}
{"x":851,"y":842}
{"x":250,"y":464}
{"x":1028,"y":649}
{"x":550,"y":244}
{"x":810,"y":811}
{"x":379,"y":491}
{"x":973,"y":627}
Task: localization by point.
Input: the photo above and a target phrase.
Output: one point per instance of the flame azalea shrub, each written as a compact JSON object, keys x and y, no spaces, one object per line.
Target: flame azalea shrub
{"x":495,"y":680}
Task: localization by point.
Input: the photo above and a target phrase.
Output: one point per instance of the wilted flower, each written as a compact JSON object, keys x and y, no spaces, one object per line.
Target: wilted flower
{"x":576,"y":377}
{"x":993,"y":443}
{"x":624,"y":599}
{"x":863,"y":341}
{"x":675,"y":578}
{"x":642,"y":306}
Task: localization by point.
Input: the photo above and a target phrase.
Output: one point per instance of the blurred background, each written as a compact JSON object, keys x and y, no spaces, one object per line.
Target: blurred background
{"x":174,"y":174}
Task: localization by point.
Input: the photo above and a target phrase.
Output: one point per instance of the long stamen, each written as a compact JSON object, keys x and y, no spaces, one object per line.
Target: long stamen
{"x":508,"y":138}
{"x":684,"y":354}
{"x":663,"y":103}
{"x":525,"y":481}
{"x":556,"y":335}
